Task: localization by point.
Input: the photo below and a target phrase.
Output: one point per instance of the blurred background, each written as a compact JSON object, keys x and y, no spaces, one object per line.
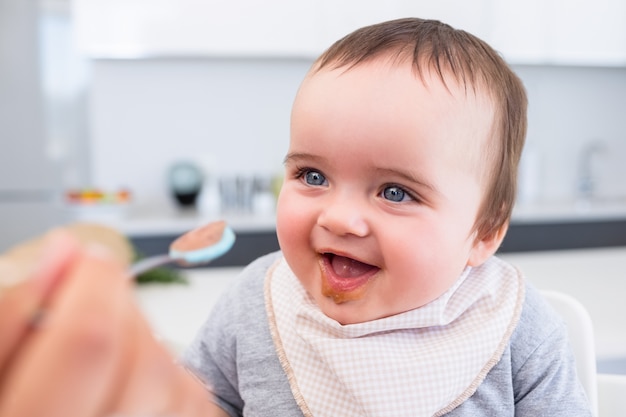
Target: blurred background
{"x":156,"y":115}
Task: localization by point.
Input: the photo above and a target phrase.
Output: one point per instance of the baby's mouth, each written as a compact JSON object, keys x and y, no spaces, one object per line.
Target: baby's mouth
{"x":347,"y":267}
{"x":344,"y":279}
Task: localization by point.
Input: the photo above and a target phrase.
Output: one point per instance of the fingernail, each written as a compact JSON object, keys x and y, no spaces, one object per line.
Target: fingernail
{"x":54,"y":256}
{"x":98,"y":250}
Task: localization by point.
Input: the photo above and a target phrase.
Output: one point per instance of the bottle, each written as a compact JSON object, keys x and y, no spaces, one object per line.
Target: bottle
{"x":209,"y":203}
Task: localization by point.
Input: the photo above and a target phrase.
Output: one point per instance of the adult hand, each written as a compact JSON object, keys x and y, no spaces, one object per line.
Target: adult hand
{"x":20,"y":304}
{"x":92,"y":354}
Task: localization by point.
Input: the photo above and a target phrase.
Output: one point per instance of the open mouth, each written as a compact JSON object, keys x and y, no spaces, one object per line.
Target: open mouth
{"x":342,"y":275}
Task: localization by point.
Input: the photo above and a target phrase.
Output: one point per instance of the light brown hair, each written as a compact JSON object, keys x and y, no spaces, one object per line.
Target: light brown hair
{"x":434,"y":45}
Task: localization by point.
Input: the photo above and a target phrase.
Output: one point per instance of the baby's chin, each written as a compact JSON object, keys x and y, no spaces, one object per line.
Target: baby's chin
{"x":354,"y":311}
{"x":350,"y":313}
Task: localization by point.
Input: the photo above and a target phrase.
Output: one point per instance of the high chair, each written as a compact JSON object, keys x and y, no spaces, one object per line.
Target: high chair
{"x":606,"y":393}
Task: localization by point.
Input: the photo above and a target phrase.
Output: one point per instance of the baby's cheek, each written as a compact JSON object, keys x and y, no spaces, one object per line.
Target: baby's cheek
{"x":288,"y":222}
{"x":294,"y":229}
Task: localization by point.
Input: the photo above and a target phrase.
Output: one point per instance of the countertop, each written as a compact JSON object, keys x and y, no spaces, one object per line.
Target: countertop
{"x":176,"y":311}
{"x":596,"y":277}
{"x":570,"y":211}
{"x":168,"y":221}
{"x":145,"y":221}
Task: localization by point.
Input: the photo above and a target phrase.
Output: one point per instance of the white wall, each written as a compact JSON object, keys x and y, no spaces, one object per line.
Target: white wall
{"x":145,"y":114}
{"x":570,"y":107}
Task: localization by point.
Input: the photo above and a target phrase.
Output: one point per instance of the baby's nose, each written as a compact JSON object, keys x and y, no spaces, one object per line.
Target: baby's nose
{"x":344,"y":218}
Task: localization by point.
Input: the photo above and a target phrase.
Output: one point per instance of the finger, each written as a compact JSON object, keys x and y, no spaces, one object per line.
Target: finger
{"x":20,"y":304}
{"x":66,"y":367}
{"x":150,"y":379}
{"x":197,"y":400}
{"x":156,"y":384}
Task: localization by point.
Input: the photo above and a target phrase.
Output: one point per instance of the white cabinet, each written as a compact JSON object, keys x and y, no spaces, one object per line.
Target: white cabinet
{"x":144,"y":28}
{"x":590,"y":32}
{"x":153,"y":28}
{"x":519,"y":30}
{"x":568,"y":32}
{"x":578,"y":32}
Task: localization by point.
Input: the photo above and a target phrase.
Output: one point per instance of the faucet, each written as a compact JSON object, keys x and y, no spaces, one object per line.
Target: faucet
{"x":586,"y":181}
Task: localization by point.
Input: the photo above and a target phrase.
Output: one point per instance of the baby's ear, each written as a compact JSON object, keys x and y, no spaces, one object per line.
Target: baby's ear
{"x":486,"y":247}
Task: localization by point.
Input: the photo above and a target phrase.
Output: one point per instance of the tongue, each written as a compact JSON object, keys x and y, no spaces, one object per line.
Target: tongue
{"x":349,"y":268}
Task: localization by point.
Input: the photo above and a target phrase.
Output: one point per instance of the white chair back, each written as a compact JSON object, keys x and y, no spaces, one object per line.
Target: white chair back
{"x":581,"y":337}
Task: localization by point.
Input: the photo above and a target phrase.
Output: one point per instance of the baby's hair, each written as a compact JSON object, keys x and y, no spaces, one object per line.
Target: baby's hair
{"x":433,"y":45}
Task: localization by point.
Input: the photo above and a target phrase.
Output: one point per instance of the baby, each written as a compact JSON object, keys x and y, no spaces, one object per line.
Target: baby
{"x":386,"y":298}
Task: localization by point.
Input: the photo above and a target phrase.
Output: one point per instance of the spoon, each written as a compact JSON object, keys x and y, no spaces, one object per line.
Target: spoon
{"x":196,"y":247}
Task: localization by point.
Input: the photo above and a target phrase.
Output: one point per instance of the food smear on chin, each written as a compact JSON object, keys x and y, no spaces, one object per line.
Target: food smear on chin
{"x":200,"y":238}
{"x":345,"y":279}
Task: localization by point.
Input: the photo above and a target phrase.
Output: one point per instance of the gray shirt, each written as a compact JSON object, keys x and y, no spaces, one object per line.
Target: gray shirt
{"x":234,"y":354}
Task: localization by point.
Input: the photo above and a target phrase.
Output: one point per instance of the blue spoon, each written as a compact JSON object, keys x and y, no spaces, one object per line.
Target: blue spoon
{"x":196,"y":247}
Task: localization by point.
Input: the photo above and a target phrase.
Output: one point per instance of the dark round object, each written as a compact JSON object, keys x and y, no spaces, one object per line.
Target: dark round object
{"x":185,"y":181}
{"x":186,"y":199}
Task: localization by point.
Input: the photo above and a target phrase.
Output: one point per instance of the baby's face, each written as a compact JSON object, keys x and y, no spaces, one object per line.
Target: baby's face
{"x":382,"y":187}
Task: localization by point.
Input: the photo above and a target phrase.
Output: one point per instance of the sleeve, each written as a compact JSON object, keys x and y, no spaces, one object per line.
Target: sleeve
{"x":229,"y":348}
{"x":545,"y":380}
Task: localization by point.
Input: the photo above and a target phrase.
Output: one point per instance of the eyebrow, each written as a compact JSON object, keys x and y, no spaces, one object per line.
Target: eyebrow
{"x":408,"y":176}
{"x":297,"y":156}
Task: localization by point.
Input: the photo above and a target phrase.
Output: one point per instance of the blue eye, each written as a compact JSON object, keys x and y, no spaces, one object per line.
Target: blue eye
{"x":314,"y":178}
{"x":395,"y":193}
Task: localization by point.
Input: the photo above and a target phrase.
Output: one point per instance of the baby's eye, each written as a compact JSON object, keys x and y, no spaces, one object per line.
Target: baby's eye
{"x":314,"y":178}
{"x":395,"y":193}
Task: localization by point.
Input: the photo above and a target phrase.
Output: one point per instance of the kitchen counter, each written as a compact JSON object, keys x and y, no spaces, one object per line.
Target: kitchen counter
{"x":596,"y":277}
{"x":585,"y":211}
{"x":534,"y":227}
{"x":141,"y":221}
{"x":176,"y":311}
{"x":144,"y":222}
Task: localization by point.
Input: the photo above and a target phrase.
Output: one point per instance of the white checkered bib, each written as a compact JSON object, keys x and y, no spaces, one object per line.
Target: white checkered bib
{"x":423,"y":362}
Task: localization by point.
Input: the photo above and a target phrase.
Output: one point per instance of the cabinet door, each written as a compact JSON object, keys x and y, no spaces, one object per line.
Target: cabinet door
{"x":567,"y":32}
{"x":520,"y":30}
{"x":589,"y":32}
{"x":524,"y":31}
{"x":145,"y":28}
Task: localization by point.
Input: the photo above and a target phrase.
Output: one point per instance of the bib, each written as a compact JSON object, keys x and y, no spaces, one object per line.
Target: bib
{"x":423,"y":362}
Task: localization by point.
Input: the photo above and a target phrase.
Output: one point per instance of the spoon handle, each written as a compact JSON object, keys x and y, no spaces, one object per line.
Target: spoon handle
{"x":196,"y":247}
{"x":147,"y":264}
